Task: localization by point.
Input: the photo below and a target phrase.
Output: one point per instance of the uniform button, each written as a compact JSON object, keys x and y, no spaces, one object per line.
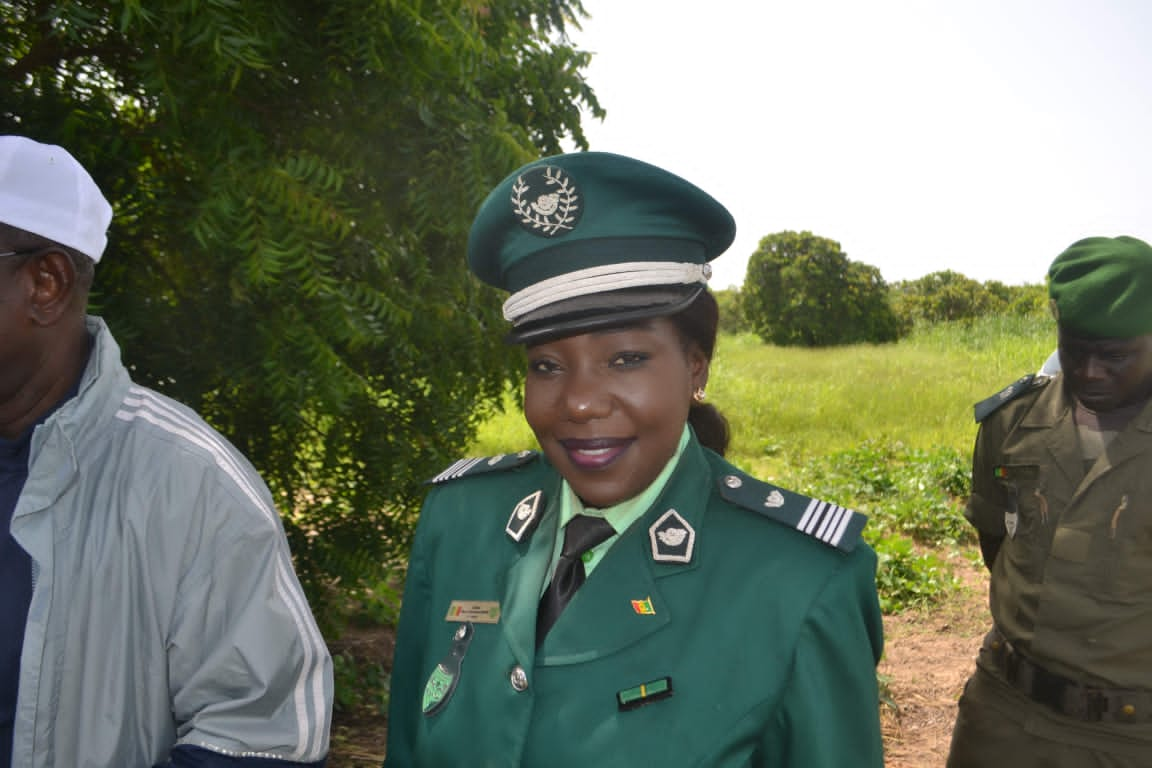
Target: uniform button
{"x":519,"y":679}
{"x":1128,"y":710}
{"x":733,"y":482}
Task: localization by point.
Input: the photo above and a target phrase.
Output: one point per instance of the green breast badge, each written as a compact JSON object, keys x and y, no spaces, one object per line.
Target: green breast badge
{"x":442,"y":683}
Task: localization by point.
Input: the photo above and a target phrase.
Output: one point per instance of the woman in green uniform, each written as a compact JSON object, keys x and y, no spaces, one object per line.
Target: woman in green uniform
{"x":624,"y":596}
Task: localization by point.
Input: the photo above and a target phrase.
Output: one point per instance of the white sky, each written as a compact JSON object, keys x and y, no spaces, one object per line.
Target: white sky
{"x":981,"y":136}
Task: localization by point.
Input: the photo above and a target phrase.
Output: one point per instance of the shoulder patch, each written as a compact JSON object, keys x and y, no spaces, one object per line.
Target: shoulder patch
{"x":990,"y":405}
{"x":483,"y":465}
{"x":829,"y":523}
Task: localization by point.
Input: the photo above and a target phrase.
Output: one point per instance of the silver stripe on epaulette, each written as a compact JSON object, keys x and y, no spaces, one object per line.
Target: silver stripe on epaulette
{"x":467,"y":466}
{"x":806,"y":521}
{"x":843,"y":526}
{"x":448,"y":472}
{"x":824,"y":521}
{"x":834,"y":524}
{"x":829,"y":512}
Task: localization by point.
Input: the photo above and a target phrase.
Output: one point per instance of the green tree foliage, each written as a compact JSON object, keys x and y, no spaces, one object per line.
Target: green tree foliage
{"x":732,"y":318}
{"x":293,"y":183}
{"x":942,"y":297}
{"x":1026,"y":300}
{"x":802,"y":290}
{"x":949,"y":296}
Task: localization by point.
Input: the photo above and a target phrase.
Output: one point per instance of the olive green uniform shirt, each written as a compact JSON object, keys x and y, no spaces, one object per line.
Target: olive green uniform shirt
{"x":1071,"y":587}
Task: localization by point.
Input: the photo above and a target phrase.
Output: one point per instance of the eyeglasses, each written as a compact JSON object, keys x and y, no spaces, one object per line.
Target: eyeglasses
{"x":25,"y":252}
{"x":20,"y":258}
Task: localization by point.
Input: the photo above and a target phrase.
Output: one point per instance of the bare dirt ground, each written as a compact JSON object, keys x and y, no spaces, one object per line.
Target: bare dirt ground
{"x":928,"y":656}
{"x":359,"y":732}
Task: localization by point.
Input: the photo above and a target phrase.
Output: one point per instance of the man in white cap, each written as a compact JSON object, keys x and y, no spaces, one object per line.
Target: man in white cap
{"x":149,"y":612}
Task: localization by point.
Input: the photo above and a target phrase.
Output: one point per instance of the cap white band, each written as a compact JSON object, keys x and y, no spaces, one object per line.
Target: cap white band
{"x":610,"y":277}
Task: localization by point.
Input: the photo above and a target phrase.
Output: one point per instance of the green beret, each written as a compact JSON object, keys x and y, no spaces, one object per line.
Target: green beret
{"x":591,"y":239}
{"x":1102,"y":287}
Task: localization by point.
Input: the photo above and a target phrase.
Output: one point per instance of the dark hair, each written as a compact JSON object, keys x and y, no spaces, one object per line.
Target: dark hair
{"x":698,"y":324}
{"x":22,"y":240}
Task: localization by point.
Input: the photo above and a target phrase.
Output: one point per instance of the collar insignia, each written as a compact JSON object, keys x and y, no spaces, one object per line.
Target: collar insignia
{"x":672,"y":538}
{"x":524,"y":516}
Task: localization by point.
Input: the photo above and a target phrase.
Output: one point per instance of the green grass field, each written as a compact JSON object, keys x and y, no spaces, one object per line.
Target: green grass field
{"x":884,"y":429}
{"x":789,"y":405}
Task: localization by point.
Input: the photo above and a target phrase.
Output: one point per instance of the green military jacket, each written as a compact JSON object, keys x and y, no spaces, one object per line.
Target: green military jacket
{"x":1072,"y":585}
{"x":709,"y":635}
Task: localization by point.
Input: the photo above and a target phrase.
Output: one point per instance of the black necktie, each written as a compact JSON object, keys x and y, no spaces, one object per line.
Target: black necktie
{"x":581,"y":534}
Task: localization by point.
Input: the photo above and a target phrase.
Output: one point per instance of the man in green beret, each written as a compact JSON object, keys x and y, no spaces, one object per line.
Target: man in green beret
{"x":1062,"y":501}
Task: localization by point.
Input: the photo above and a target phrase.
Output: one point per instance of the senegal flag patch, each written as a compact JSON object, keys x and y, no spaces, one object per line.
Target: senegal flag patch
{"x":644,"y":607}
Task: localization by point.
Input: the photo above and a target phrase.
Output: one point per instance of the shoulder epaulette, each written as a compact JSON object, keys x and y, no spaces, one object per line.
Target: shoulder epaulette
{"x":990,"y":405}
{"x":484,"y":464}
{"x":829,"y":523}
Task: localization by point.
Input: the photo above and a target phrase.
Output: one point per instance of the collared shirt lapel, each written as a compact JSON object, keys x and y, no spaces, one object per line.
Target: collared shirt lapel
{"x":623,"y":599}
{"x":525,"y":577}
{"x":1125,"y":447}
{"x":1052,"y":413}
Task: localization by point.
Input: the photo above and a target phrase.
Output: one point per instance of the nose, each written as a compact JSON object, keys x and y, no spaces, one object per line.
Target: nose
{"x":585,"y":397}
{"x":1092,"y":368}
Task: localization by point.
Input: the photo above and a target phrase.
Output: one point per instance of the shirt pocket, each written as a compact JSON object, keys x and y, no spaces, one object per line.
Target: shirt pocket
{"x":1126,"y":558}
{"x":1027,"y":518}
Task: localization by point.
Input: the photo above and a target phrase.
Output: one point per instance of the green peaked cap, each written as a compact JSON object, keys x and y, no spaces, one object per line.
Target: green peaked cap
{"x":592,"y":239}
{"x":1102,"y":287}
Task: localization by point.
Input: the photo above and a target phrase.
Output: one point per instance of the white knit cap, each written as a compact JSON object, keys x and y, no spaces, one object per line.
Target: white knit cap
{"x":43,"y":190}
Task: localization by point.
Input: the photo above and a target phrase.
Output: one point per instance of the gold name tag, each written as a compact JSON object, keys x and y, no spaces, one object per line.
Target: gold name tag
{"x":476,"y":611}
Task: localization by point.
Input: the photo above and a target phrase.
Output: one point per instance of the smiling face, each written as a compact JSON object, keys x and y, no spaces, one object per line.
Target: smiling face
{"x":608,"y":407}
{"x":1106,"y":374}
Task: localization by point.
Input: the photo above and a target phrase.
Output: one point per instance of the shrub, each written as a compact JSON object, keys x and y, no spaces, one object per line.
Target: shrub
{"x":906,"y":578}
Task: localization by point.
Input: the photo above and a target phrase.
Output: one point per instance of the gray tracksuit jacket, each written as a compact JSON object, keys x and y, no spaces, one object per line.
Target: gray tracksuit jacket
{"x":165,"y":609}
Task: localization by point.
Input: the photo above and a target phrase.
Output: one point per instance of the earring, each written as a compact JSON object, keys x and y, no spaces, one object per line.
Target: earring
{"x":698,"y":395}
